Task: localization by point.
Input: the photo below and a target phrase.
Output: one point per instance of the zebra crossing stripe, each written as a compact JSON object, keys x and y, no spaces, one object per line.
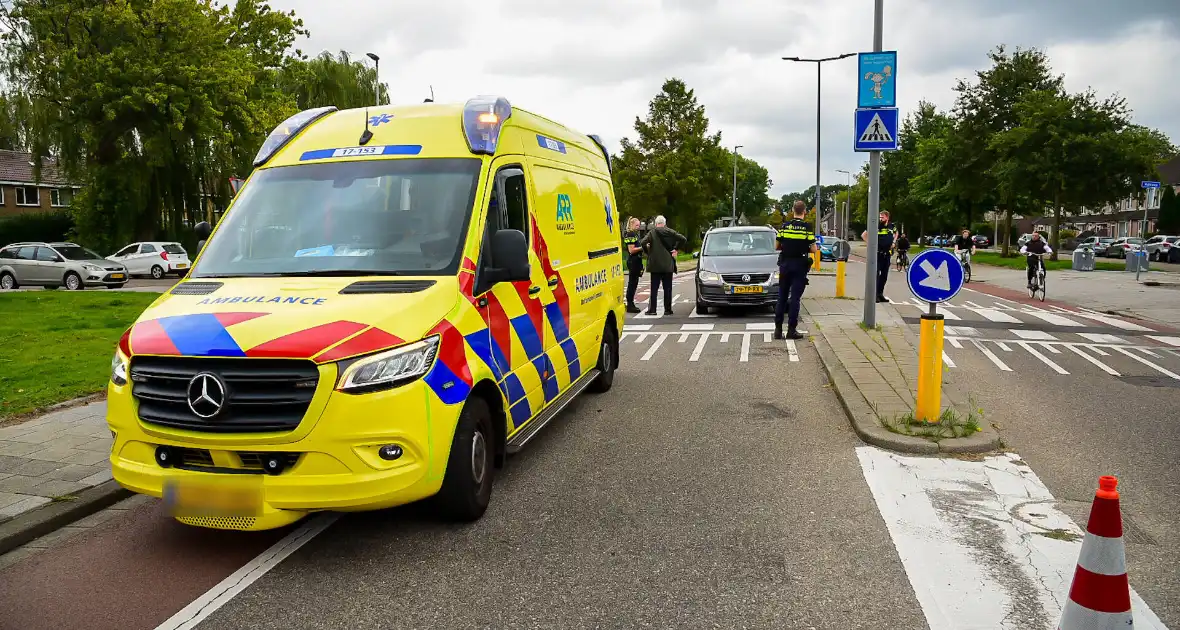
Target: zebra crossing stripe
{"x":1033,"y":335}
{"x":1149,"y":364}
{"x":1171,"y":341}
{"x":1101,"y":338}
{"x":1053,"y":318}
{"x":652,"y":350}
{"x":792,"y":351}
{"x":991,"y":355}
{"x":1085,"y":355}
{"x":1044,"y":359}
{"x":947,"y":360}
{"x":745,"y":356}
{"x":697,"y":327}
{"x":696,"y":352}
{"x":994,"y":315}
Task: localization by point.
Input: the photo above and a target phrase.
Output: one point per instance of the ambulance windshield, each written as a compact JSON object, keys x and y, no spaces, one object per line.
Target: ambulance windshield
{"x":375,"y":217}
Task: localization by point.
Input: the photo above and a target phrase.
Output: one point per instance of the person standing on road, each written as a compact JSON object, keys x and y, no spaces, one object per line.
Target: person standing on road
{"x":1035,"y":245}
{"x":796,"y":242}
{"x":885,"y":234}
{"x":661,"y":245}
{"x":634,"y":262}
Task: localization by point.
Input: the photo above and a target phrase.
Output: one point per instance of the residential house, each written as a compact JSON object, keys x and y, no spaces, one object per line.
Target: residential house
{"x":20,"y":192}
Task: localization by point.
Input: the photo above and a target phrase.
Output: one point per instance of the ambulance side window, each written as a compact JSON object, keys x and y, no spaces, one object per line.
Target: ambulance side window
{"x":513,"y":215}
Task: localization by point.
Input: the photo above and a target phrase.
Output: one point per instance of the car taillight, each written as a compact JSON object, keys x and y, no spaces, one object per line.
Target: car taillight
{"x":164,"y":255}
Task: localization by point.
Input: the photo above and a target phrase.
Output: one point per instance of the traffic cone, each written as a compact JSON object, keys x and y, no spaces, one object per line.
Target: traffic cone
{"x":1100,"y":596}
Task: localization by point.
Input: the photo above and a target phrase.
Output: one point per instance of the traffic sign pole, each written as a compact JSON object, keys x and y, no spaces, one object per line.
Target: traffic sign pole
{"x":870,"y":314}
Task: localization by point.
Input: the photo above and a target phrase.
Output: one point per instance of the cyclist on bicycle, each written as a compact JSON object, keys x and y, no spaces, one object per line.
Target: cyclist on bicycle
{"x":903,"y":249}
{"x":964,"y":243}
{"x":1034,"y":249}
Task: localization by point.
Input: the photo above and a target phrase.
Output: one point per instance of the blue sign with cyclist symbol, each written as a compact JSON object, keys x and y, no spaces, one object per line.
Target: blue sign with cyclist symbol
{"x":935,"y":275}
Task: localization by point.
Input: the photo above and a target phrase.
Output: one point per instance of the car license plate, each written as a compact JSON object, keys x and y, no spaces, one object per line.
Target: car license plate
{"x":117,"y":276}
{"x":748,"y":289}
{"x":240,"y":495}
{"x":181,"y":265}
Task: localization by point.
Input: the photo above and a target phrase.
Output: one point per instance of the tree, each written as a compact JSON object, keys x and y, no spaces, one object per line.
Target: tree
{"x":753,"y":188}
{"x":675,"y":167}
{"x":326,"y":80}
{"x":1169,"y":219}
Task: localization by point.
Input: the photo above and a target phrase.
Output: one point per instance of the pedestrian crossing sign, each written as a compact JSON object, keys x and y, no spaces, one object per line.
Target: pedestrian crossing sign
{"x":876,"y":129}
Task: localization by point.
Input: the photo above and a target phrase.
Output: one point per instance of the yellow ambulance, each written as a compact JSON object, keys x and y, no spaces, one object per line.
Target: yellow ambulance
{"x":397,"y":299}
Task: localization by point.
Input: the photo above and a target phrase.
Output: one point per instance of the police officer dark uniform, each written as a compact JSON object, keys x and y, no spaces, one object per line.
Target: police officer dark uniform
{"x":796,"y":241}
{"x":885,"y":231}
{"x":634,"y":262}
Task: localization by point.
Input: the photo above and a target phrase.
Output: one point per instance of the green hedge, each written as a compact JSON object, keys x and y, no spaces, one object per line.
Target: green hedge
{"x":35,"y":226}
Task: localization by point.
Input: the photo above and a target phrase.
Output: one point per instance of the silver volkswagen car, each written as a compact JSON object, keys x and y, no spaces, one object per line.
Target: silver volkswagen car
{"x":738,"y":267}
{"x":57,"y":265}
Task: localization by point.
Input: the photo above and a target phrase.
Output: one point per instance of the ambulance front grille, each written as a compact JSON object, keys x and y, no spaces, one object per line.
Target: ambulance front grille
{"x":261,"y":395}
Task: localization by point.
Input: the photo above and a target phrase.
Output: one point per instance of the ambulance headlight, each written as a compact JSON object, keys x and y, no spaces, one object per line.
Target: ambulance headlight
{"x":709,"y":276}
{"x":119,"y":369}
{"x":389,"y":369}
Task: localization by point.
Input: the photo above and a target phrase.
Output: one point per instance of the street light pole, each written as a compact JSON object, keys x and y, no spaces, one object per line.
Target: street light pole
{"x":873,"y":215}
{"x":735,"y":165}
{"x":377,"y":75}
{"x":818,"y":111}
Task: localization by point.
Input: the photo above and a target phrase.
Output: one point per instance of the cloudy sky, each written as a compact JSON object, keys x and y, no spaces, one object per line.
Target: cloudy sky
{"x":594,"y":64}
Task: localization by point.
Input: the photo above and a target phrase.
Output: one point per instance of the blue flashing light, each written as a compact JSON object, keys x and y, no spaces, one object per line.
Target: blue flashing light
{"x":483,"y":117}
{"x":287,"y":130}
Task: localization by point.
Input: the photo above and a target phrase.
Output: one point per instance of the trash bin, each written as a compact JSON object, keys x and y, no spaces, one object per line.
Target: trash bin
{"x":1083,"y":259}
{"x":1137,"y":261}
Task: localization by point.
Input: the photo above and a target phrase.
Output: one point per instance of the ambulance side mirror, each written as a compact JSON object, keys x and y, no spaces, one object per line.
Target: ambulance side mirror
{"x":510,"y":252}
{"x":202,"y":231}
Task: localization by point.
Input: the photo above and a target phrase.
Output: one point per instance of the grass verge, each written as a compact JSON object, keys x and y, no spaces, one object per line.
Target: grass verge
{"x":1017,"y":262}
{"x":951,"y":424}
{"x":58,"y":344}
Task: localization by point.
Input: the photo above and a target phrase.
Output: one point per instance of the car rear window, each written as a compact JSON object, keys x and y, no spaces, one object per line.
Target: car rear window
{"x":173,"y":248}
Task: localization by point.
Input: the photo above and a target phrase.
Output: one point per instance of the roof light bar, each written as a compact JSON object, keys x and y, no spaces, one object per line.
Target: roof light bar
{"x":286,"y":130}
{"x":483,"y":117}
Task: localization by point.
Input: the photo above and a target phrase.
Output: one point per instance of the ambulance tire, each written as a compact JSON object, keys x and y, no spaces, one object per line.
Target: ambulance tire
{"x":467,"y":486}
{"x":608,"y":353}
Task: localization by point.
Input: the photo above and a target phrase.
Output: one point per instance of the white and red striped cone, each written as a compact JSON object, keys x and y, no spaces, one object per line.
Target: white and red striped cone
{"x":1100,"y":596}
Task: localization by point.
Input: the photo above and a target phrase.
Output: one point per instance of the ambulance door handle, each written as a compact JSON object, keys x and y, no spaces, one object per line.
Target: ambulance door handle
{"x":534,"y":290}
{"x":553,"y":282}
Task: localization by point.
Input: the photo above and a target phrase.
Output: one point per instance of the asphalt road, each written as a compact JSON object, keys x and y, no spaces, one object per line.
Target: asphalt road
{"x":715,"y":486}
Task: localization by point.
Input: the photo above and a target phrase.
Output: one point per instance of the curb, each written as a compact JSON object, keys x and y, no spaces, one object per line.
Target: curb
{"x":864,"y":421}
{"x":40,"y":521}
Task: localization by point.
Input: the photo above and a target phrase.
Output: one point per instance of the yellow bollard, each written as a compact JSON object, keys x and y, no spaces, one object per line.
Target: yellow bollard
{"x":929,"y":403}
{"x":815,"y":260}
{"x":839,"y":278}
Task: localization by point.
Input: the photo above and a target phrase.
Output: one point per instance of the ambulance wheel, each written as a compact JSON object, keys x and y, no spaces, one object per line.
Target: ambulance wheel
{"x":467,"y":487}
{"x":607,"y":362}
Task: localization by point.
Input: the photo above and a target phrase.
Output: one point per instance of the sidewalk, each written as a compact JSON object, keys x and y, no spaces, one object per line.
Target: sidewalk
{"x":52,"y":458}
{"x":875,"y":372}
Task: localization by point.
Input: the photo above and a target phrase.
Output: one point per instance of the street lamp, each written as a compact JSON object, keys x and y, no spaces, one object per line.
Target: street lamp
{"x":847,"y":204}
{"x":377,"y":73}
{"x":735,"y":165}
{"x":818,"y":82}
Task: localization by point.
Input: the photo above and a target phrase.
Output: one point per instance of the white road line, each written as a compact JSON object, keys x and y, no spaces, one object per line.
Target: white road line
{"x":1053,"y":318}
{"x":955,"y":342}
{"x":760,"y":326}
{"x":683,"y":338}
{"x":1112,"y":321}
{"x":1099,"y":351}
{"x":694,"y":313}
{"x":675,"y":297}
{"x":640,"y":338}
{"x":1101,"y":338}
{"x":1011,"y":577}
{"x":1036,"y":335}
{"x":766,"y":337}
{"x":991,"y":355}
{"x":654,"y":346}
{"x":972,"y":304}
{"x":1171,"y":341}
{"x":792,"y":351}
{"x":696,"y":352}
{"x":1149,"y":364}
{"x":697,"y":327}
{"x":1003,"y":346}
{"x":224,"y":591}
{"x":644,"y":315}
{"x":947,"y":360}
{"x":745,"y":357}
{"x":724,"y":337}
{"x":631,"y":327}
{"x":1044,"y":359}
{"x":947,"y":314}
{"x":1086,"y":355}
{"x":995,"y":315}
{"x":1050,"y":348}
{"x":1149,"y":353}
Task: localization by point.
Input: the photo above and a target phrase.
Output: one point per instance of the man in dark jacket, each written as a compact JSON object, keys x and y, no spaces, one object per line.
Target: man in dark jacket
{"x":661,"y":245}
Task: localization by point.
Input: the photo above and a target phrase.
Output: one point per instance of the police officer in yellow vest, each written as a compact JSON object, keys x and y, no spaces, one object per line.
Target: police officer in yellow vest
{"x":634,"y":262}
{"x":796,"y":241}
{"x":885,"y":234}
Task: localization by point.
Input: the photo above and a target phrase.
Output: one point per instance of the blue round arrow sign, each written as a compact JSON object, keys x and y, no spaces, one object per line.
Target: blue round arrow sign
{"x":935,"y":275}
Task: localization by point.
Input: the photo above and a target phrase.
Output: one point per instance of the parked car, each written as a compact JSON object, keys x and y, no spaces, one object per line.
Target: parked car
{"x":153,"y":258}
{"x":832,"y":245}
{"x":1159,"y":245}
{"x":1122,"y":246}
{"x":738,"y":267}
{"x":57,"y":265}
{"x":1096,"y":243}
{"x":981,"y":241}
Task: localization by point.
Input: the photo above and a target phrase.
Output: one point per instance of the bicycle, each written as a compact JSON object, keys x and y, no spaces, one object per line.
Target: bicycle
{"x":1038,"y":282}
{"x":903,"y":260}
{"x":965,"y":260}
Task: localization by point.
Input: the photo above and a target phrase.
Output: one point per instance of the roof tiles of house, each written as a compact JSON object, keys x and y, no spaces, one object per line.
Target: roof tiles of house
{"x":16,"y":167}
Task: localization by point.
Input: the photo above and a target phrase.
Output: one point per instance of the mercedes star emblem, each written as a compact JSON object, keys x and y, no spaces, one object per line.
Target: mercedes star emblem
{"x":746,"y":278}
{"x":206,"y":395}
